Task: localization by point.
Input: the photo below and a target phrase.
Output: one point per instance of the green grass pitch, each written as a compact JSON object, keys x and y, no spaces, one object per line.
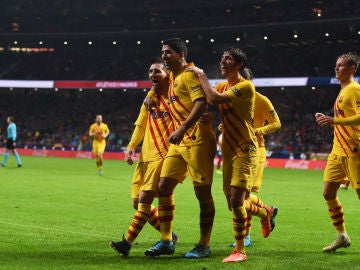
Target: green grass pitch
{"x":59,"y":214}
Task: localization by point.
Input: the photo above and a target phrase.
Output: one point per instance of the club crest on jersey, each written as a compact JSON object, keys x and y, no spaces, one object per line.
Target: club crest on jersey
{"x":236,"y":92}
{"x":173,"y":99}
{"x":339,"y":113}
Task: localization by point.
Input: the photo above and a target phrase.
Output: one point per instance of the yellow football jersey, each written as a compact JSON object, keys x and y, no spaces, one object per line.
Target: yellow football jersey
{"x":237,"y":119}
{"x":99,"y":129}
{"x":184,"y":90}
{"x":266,"y":120}
{"x":158,"y":126}
{"x":347,"y":137}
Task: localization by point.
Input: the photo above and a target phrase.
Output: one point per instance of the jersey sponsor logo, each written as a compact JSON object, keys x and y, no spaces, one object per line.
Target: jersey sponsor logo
{"x":173,"y":99}
{"x":159,"y":114}
{"x":237,"y":92}
{"x":196,"y":88}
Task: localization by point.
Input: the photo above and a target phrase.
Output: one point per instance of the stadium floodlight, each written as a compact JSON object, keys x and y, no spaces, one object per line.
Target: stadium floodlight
{"x":237,"y":39}
{"x":187,"y":41}
{"x":296,"y":36}
{"x":56,"y":89}
{"x":40,"y":42}
{"x":327,"y":34}
{"x":114,"y":42}
{"x":212,"y":40}
{"x":138,"y":42}
{"x":65,"y":42}
{"x":15,"y":42}
{"x":265,"y":37}
{"x":90,"y":42}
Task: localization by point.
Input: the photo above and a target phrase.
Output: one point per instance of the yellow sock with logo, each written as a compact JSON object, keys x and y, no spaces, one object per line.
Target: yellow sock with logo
{"x":239,"y":222}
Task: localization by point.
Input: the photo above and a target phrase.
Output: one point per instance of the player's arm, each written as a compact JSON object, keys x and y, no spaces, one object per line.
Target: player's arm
{"x":213,"y":96}
{"x":272,"y":118}
{"x":137,"y":136}
{"x":197,"y":111}
{"x":107,"y":132}
{"x":150,"y":100}
{"x":92,"y":132}
{"x":325,"y":120}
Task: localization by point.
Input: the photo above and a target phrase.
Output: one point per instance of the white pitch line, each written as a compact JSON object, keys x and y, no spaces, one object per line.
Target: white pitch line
{"x":49,"y":229}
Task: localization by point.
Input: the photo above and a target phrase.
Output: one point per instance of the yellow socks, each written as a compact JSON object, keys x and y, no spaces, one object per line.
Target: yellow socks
{"x":337,"y":215}
{"x":253,"y":210}
{"x":256,"y":201}
{"x":207,"y":214}
{"x":166,"y":211}
{"x":154,"y":218}
{"x":239,"y":221}
{"x":138,"y":222}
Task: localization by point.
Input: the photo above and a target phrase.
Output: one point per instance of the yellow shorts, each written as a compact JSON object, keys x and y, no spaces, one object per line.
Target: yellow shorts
{"x":258,"y":177}
{"x":146,"y":177}
{"x":239,"y":172}
{"x":197,"y":161}
{"x":99,"y":147}
{"x":338,"y":168}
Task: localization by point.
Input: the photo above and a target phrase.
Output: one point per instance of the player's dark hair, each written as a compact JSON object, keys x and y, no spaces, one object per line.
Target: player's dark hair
{"x":177,"y":44}
{"x":351,"y":58}
{"x":11,"y":118}
{"x":239,"y":56}
{"x":247,"y":73}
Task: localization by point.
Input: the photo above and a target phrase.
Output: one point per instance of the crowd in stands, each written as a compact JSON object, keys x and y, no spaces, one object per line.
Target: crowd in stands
{"x":60,"y":120}
{"x":138,"y":15}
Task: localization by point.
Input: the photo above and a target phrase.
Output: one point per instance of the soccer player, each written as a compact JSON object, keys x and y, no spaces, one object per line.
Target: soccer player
{"x":266,"y":121}
{"x":344,"y":159}
{"x":153,"y":128}
{"x":236,"y":99}
{"x":98,"y":132}
{"x":192,"y":151}
{"x":11,"y":142}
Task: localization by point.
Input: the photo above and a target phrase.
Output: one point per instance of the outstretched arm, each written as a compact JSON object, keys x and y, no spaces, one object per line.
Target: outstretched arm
{"x":211,"y":94}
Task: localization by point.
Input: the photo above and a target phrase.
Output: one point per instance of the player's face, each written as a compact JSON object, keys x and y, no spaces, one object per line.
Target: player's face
{"x":228,"y":65}
{"x":8,"y":120}
{"x":343,"y":71}
{"x":98,"y":119}
{"x":158,"y":76}
{"x":171,"y":59}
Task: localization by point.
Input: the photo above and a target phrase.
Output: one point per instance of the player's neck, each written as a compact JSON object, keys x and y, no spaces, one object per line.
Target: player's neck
{"x":233,"y":79}
{"x":345,"y":83}
{"x":180,"y":68}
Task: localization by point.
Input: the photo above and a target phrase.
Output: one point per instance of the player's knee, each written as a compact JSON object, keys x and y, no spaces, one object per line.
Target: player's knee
{"x":329,"y":195}
{"x":166,"y":187}
{"x":203,"y":193}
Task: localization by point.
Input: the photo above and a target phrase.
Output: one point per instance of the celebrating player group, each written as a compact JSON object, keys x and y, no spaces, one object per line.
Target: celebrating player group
{"x":178,"y":141}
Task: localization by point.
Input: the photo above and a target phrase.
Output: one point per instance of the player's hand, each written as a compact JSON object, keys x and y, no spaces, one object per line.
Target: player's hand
{"x":197,"y":71}
{"x":324,"y":120}
{"x":130,"y":152}
{"x":177,"y":136}
{"x":149,"y":103}
{"x":206,"y":118}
